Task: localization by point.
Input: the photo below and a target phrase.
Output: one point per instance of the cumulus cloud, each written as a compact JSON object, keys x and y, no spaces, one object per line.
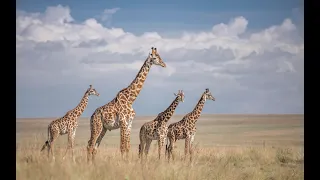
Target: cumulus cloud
{"x":106,"y":15}
{"x":53,"y":50}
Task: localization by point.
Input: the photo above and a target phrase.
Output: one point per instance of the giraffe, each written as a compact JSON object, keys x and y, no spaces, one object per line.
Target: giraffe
{"x":186,"y":128}
{"x":157,"y":128}
{"x":67,"y":124}
{"x":119,"y":113}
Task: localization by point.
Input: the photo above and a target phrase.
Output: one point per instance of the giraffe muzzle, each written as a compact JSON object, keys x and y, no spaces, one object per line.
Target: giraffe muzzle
{"x":163,"y":65}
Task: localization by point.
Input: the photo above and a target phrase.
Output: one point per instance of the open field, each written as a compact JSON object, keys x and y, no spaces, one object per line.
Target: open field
{"x":227,"y":147}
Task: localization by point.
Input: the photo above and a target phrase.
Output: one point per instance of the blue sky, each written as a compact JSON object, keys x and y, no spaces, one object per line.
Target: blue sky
{"x":135,"y":16}
{"x":259,"y":41}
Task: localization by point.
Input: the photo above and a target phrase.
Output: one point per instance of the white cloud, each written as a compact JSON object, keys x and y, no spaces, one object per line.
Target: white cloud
{"x":107,"y":14}
{"x":54,"y":50}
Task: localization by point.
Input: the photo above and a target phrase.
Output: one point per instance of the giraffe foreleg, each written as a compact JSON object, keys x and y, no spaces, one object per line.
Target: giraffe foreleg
{"x":160,"y":145}
{"x":70,"y":133}
{"x":186,"y":147}
{"x":191,"y":150}
{"x":72,"y":144}
{"x":125,"y":131}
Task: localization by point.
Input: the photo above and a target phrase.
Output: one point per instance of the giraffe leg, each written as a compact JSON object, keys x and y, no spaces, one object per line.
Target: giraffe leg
{"x":128,"y":133}
{"x":69,"y":144}
{"x":146,"y":150}
{"x":51,"y":144}
{"x":167,"y":148}
{"x":141,"y":149}
{"x":125,"y":130}
{"x":171,"y":149}
{"x":186,"y":147}
{"x":72,"y":144}
{"x":95,"y":133}
{"x":160,"y":145}
{"x":103,"y":132}
{"x":48,"y":149}
{"x":191,"y":147}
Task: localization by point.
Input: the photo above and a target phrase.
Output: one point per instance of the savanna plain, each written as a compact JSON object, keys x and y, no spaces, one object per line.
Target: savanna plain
{"x":226,"y":147}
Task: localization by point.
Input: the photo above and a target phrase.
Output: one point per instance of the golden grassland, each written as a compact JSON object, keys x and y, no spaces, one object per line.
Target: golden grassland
{"x":227,"y":147}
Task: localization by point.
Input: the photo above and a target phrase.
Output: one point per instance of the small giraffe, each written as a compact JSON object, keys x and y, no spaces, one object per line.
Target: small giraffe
{"x":186,"y":128}
{"x":118,"y":113}
{"x":67,"y":124}
{"x":157,"y":128}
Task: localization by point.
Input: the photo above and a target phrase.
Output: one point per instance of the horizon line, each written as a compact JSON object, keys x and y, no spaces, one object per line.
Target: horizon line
{"x":223,"y":114}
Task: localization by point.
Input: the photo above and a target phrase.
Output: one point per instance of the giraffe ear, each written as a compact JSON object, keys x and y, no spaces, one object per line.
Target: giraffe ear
{"x":175,"y":94}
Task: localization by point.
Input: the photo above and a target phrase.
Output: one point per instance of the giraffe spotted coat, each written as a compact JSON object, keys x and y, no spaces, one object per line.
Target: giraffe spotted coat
{"x":157,"y":128}
{"x":119,"y":112}
{"x":186,"y":128}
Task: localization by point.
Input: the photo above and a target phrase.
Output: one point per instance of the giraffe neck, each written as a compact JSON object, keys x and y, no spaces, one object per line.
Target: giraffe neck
{"x":198,"y":108}
{"x":166,"y":114}
{"x":82,"y":105}
{"x":136,"y":85}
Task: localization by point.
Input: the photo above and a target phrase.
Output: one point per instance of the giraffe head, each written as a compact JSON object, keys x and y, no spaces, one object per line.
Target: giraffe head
{"x":155,"y":58}
{"x":92,"y":91}
{"x":180,"y":95}
{"x":207,"y":95}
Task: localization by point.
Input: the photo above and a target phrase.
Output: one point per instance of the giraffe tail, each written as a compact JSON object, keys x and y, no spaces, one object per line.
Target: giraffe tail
{"x":46,"y":144}
{"x":139,"y":150}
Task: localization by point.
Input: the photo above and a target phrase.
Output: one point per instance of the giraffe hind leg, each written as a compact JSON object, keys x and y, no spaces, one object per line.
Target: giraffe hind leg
{"x":103,"y":132}
{"x":146,"y":150}
{"x":95,"y":133}
{"x":51,"y":145}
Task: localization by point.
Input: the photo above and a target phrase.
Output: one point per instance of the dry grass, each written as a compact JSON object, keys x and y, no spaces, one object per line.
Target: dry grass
{"x":228,"y":147}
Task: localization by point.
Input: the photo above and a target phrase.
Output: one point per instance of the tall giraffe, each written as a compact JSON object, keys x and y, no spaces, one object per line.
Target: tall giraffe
{"x":67,"y":124}
{"x":157,"y":128}
{"x":186,"y":128}
{"x":118,"y":113}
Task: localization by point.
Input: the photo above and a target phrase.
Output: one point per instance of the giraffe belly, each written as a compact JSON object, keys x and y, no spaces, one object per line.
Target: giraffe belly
{"x":181,"y":136}
{"x":153,"y":136}
{"x":111,"y":124}
{"x":63,"y":131}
